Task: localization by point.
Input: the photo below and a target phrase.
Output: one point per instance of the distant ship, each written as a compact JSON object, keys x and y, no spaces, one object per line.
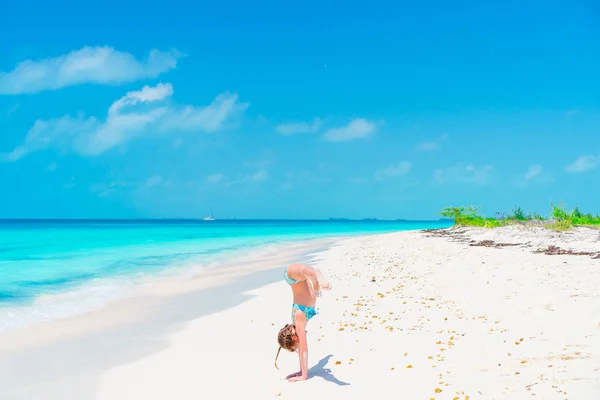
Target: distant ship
{"x":210,"y":216}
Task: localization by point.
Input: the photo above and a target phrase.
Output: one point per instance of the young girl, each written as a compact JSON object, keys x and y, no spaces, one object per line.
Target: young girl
{"x":306,"y":283}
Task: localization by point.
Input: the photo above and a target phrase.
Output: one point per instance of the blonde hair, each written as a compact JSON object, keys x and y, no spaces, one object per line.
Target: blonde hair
{"x":285,"y":338}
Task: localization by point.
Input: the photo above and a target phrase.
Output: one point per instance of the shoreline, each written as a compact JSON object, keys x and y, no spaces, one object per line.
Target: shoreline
{"x":132,"y":285}
{"x":161,"y":288}
{"x":409,"y":313}
{"x":64,"y":358}
{"x":70,"y":274}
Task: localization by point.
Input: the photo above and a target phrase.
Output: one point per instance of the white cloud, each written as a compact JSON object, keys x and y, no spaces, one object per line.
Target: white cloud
{"x":356,"y":129}
{"x":146,"y":95}
{"x":425,"y":146}
{"x":106,"y":189}
{"x":302,"y":178}
{"x":216,"y":178}
{"x":583,"y":164}
{"x":533,"y":172}
{"x":210,"y":118}
{"x":391,"y":171}
{"x":462,"y":173}
{"x":13,"y":109}
{"x":138,"y":113}
{"x":432,"y":145}
{"x":99,"y":65}
{"x":298,"y":127}
{"x":257,"y":176}
{"x":260,"y":176}
{"x":153,"y":181}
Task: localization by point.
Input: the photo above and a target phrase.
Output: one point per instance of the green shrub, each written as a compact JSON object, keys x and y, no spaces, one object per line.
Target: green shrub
{"x":561,"y":225}
{"x":536,"y":216}
{"x":518,"y":214}
{"x":559,"y":212}
{"x":561,"y":219}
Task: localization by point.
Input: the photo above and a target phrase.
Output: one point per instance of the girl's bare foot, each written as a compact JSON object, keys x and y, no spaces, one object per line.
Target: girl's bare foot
{"x":323,"y":281}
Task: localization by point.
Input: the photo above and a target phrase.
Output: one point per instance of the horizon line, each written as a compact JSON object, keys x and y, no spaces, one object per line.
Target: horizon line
{"x":223,"y":219}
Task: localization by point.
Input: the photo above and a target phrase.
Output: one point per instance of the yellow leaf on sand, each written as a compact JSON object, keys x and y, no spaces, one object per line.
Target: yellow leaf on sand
{"x":409,"y":366}
{"x":438,"y":390}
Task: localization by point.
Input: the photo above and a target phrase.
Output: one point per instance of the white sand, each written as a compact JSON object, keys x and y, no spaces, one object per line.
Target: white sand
{"x":482,"y":322}
{"x":409,"y":315}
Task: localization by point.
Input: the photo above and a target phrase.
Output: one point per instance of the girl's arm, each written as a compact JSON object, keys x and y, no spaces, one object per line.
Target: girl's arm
{"x":300,"y":323}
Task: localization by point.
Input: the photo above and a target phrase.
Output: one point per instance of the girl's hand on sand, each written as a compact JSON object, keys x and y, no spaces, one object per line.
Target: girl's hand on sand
{"x":297,"y":378}
{"x":295,"y":374}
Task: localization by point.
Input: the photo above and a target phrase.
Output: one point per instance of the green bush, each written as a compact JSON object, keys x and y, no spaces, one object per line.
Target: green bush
{"x":561,"y":225}
{"x":560,"y":218}
{"x":536,"y":216}
{"x":518,"y":214}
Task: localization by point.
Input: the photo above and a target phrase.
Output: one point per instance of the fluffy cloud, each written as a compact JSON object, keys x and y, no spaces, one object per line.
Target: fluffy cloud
{"x":391,"y":171}
{"x":259,"y":176}
{"x":107,"y":189}
{"x":216,"y":178}
{"x":356,"y":129}
{"x":432,"y":145}
{"x":100,"y":65}
{"x":12,"y":109}
{"x":464,"y":173}
{"x":298,"y":127}
{"x":153,"y":181}
{"x":583,"y":164}
{"x":533,"y":172}
{"x":138,"y":113}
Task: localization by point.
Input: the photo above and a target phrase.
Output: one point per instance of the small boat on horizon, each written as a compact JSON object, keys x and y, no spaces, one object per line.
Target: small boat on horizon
{"x":210,"y":216}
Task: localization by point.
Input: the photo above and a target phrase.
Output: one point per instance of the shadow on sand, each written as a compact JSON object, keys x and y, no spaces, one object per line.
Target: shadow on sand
{"x":320,"y":371}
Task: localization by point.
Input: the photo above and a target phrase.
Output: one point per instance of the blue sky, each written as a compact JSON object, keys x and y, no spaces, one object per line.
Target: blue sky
{"x":297,"y":110}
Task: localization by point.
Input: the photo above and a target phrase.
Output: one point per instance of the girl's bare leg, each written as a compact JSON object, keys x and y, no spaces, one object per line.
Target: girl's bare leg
{"x":318,"y":280}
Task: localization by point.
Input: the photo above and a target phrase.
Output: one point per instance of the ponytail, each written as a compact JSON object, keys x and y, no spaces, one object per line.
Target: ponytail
{"x":277,"y":356}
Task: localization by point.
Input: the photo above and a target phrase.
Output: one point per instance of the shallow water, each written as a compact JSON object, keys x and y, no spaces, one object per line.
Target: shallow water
{"x":53,"y":269}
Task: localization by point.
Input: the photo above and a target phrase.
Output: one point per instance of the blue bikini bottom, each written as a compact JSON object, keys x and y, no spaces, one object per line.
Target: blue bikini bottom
{"x":308,"y":311}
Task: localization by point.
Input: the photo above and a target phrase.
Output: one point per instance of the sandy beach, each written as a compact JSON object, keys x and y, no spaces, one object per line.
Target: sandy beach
{"x":446,"y":314}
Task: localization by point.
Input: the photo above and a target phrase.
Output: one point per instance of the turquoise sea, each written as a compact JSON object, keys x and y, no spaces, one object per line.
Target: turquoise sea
{"x":51,"y":269}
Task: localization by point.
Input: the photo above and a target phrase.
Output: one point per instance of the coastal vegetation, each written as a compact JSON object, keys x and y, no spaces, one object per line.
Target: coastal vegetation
{"x":559,"y":219}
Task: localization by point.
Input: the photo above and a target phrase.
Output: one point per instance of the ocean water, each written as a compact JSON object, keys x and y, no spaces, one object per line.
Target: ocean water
{"x":54,"y":269}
